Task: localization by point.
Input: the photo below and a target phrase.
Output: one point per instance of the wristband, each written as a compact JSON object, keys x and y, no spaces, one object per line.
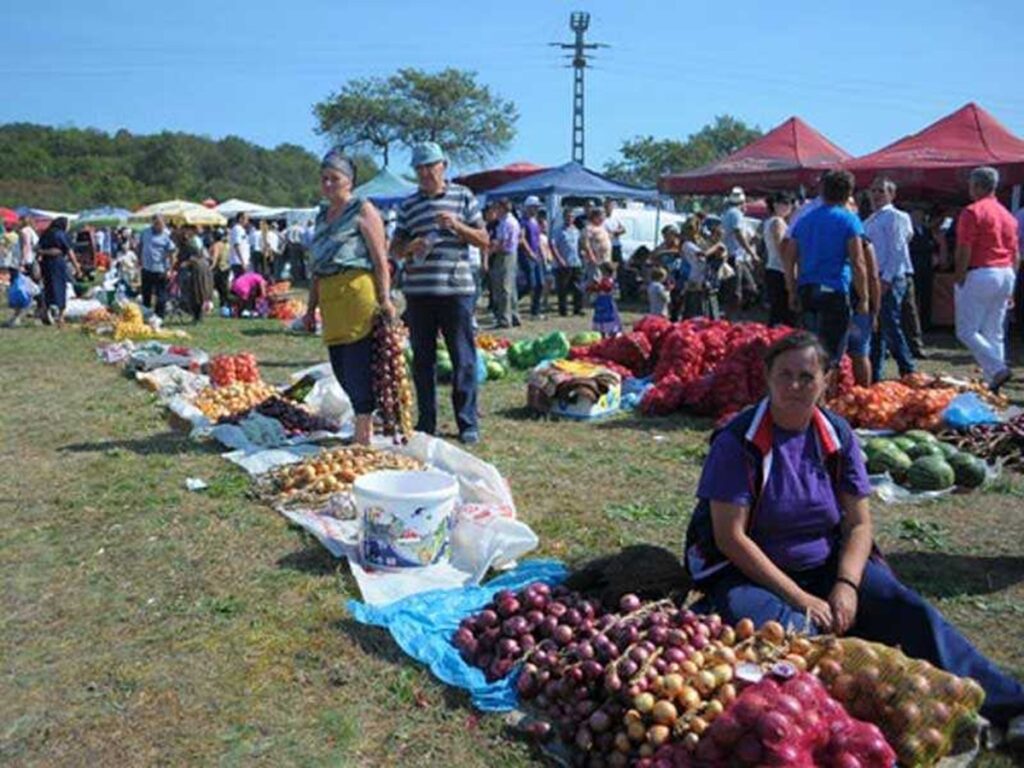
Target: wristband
{"x":850,"y":582}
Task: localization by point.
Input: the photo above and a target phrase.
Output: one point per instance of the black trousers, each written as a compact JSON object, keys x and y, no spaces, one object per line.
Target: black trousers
{"x":779,"y":312}
{"x":221,"y":281}
{"x":567,"y":283}
{"x":154,"y":286}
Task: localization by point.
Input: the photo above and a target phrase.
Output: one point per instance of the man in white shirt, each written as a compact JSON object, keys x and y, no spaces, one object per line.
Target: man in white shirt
{"x":890,"y":231}
{"x":255,"y":247}
{"x":741,"y":251}
{"x":272,"y":249}
{"x":238,"y":243}
{"x":615,"y":230}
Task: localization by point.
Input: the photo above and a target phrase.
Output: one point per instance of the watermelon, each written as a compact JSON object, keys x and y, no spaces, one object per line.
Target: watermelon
{"x":495,"y":370}
{"x":891,"y":460}
{"x":930,"y":473}
{"x":920,"y":436}
{"x":904,"y":443}
{"x":878,"y":445}
{"x":918,"y":450}
{"x":969,"y":471}
{"x":948,"y":451}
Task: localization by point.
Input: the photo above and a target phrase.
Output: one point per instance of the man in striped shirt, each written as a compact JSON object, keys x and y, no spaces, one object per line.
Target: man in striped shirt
{"x":433,"y":231}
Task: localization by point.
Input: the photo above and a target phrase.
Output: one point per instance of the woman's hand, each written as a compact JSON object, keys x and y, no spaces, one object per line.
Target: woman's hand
{"x":843,"y":601}
{"x":388,"y":308}
{"x":821,"y":611}
{"x":309,"y":321}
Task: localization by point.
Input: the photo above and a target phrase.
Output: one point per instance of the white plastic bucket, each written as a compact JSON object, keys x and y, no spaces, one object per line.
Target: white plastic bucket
{"x":405,"y":517}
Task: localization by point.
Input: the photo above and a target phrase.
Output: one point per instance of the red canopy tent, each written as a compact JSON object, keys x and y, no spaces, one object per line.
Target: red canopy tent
{"x":937,"y":159}
{"x":481,"y":181}
{"x":788,"y":156}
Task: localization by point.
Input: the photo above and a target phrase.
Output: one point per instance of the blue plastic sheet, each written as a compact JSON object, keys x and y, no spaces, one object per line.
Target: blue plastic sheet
{"x":633,"y":391}
{"x":423,"y":626}
{"x":967,"y":410}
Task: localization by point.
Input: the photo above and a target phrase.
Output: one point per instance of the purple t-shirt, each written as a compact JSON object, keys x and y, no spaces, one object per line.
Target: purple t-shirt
{"x":531,"y":228}
{"x":798,"y":513}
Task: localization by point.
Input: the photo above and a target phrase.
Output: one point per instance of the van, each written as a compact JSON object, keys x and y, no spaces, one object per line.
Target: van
{"x":643,"y":227}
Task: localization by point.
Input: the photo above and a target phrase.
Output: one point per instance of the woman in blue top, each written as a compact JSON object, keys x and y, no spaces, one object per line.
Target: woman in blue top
{"x":55,"y":253}
{"x":351,"y":284}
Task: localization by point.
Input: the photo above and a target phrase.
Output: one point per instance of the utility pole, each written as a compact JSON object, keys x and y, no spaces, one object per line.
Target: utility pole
{"x":579,"y":21}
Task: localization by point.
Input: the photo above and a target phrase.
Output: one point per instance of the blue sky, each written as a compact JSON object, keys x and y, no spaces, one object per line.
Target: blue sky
{"x":863,"y":73}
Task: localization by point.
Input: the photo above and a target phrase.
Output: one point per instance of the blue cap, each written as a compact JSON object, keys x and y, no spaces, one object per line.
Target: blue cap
{"x":427,"y":152}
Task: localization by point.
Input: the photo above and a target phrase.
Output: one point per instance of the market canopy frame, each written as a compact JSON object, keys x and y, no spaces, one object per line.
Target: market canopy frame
{"x":790,"y":156}
{"x":571,"y":180}
{"x":938,"y":159}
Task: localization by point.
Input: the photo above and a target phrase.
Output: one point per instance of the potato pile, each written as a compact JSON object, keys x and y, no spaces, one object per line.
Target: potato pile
{"x":334,"y":471}
{"x":217,"y":403}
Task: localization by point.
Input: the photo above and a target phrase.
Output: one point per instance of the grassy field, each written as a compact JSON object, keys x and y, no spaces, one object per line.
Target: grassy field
{"x":145,"y":625}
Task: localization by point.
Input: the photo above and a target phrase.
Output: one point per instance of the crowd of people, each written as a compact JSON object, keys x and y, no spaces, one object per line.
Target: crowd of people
{"x":165,"y":265}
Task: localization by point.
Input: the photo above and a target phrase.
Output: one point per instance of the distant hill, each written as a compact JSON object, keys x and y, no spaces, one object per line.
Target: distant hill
{"x":71,"y":168}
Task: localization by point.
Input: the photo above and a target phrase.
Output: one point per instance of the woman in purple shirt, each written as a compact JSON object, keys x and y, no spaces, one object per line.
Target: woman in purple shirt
{"x":783,"y":531}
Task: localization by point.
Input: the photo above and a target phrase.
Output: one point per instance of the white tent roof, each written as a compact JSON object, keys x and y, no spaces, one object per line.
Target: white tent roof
{"x":235,"y":206}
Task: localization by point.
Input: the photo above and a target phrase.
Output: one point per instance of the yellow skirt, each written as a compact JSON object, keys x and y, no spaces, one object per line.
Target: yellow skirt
{"x":348,"y":303}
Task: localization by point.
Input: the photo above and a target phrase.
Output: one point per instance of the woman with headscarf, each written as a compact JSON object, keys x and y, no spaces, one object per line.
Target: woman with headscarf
{"x":55,"y":252}
{"x":351,"y":283}
{"x":195,"y":277}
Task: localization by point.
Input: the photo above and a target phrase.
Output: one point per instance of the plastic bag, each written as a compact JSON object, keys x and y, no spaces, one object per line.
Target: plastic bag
{"x":19,"y":295}
{"x":326,"y":399}
{"x":423,"y":625}
{"x":554,"y":346}
{"x":488,"y":537}
{"x":967,"y":410}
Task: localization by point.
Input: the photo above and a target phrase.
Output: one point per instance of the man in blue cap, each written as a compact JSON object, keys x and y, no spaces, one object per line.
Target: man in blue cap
{"x":434,"y":229}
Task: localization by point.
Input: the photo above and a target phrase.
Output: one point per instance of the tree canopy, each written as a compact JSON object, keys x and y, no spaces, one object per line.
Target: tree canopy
{"x":73,"y":168}
{"x":645,"y":158}
{"x":449,"y":107}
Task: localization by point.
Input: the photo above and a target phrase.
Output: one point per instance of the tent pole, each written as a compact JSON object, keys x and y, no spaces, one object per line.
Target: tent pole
{"x":657,"y":222}
{"x":1015,"y":198}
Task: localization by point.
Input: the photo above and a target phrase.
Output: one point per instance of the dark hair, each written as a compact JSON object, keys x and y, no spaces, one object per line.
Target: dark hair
{"x":837,"y":186}
{"x":780,"y":198}
{"x":794,"y":342}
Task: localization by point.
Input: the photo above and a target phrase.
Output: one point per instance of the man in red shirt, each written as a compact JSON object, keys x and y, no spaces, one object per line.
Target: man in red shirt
{"x":986,"y":268}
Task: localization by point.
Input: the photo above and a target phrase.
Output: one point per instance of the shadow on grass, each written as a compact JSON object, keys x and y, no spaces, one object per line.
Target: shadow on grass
{"x":519,"y":413}
{"x":314,"y":560}
{"x":165,"y":443}
{"x":374,"y":641}
{"x":937,"y":574}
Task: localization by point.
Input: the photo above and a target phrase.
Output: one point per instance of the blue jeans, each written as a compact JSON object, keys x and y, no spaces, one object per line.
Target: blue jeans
{"x":535,"y":274}
{"x":453,"y":316}
{"x":887,"y":612}
{"x":890,"y":332}
{"x":826,"y":313}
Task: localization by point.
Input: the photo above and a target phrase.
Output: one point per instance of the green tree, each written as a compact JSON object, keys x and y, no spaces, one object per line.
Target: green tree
{"x":365,"y":115}
{"x":449,"y":107}
{"x":71,"y":169}
{"x":644,"y":158}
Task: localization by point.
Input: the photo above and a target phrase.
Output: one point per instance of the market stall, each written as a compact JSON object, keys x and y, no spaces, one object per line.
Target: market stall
{"x":385,"y":190}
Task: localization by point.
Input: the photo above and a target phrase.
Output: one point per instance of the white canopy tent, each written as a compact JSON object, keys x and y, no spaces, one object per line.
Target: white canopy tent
{"x":234,"y":206}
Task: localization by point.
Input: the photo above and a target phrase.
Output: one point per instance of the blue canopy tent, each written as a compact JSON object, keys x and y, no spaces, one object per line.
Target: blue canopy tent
{"x":571,"y":180}
{"x":104,"y":216}
{"x":385,"y":189}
